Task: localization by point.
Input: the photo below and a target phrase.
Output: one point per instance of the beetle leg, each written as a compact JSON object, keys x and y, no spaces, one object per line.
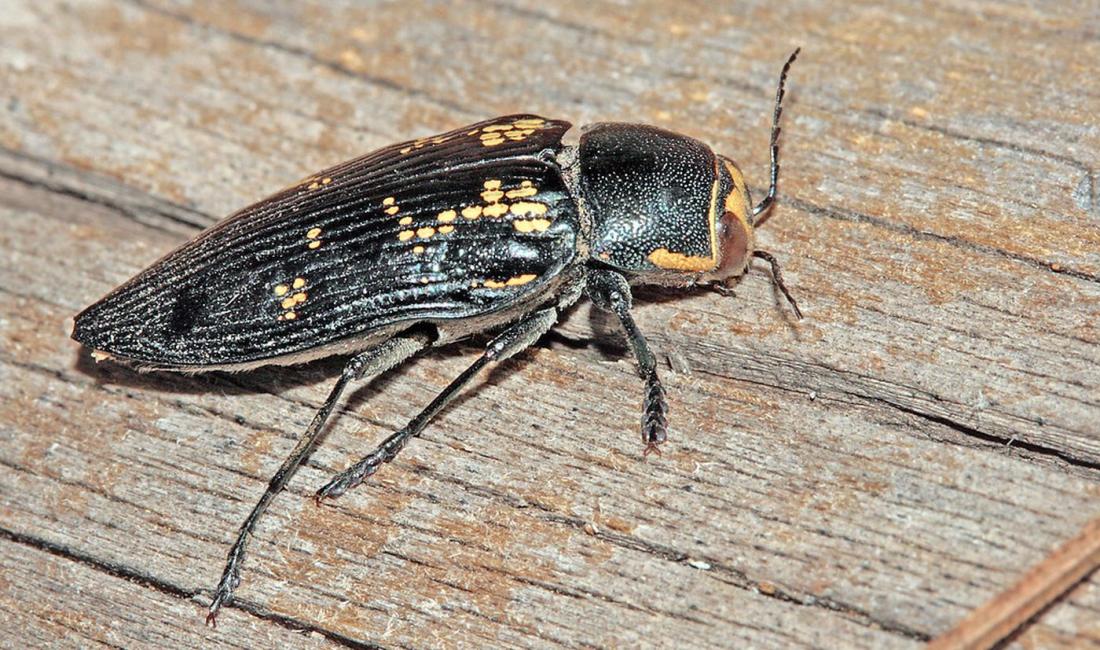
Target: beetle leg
{"x":369,"y":363}
{"x":516,"y":338}
{"x":777,"y":277}
{"x":611,"y":292}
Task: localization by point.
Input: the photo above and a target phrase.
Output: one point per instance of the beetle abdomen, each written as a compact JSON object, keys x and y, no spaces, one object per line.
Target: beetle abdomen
{"x":459,"y":225}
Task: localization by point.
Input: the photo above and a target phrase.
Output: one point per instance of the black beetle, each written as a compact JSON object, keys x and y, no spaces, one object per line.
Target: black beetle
{"x":497,"y":225}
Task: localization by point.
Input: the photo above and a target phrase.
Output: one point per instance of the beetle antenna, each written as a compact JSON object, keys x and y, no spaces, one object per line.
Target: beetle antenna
{"x":766,"y":202}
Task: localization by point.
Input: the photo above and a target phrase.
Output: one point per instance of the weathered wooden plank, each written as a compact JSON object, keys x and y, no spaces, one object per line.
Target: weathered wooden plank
{"x":861,"y":478}
{"x":50,"y":600}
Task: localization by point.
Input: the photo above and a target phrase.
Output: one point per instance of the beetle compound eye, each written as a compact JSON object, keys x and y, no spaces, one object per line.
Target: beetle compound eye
{"x":735,"y":240}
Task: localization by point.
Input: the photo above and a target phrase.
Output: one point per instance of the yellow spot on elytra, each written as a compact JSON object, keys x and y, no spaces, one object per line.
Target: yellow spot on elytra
{"x":423,"y":142}
{"x":418,"y":249}
{"x":443,"y":230}
{"x":290,"y":302}
{"x":493,"y":207}
{"x":528,"y":207}
{"x":404,"y":221}
{"x":313,"y":233}
{"x":405,"y":235}
{"x":666,"y":259}
{"x":393,"y":210}
{"x":514,"y":281}
{"x":424,"y":280}
{"x":314,"y":185}
{"x":474,"y":132}
{"x":531,"y":225}
{"x":389,"y":200}
{"x":326,"y":181}
{"x":516,"y":131}
{"x":315,"y":244}
{"x":425,"y":232}
{"x":447,"y":216}
{"x":525,"y":190}
{"x":495,"y":210}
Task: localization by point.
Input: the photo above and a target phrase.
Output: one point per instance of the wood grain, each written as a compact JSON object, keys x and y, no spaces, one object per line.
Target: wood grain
{"x":862,"y":478}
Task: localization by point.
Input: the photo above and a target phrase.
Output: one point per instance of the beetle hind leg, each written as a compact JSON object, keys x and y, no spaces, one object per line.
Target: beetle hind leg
{"x":369,"y":363}
{"x":513,"y":340}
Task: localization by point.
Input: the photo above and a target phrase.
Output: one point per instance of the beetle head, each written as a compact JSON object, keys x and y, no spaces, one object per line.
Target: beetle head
{"x":733,"y":230}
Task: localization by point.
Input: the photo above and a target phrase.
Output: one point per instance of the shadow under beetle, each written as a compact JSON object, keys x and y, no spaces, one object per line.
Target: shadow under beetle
{"x":497,"y":225}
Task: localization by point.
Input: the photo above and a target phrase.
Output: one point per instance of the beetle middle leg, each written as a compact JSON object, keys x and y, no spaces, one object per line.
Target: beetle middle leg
{"x":513,"y":340}
{"x":610,"y":291}
{"x":369,"y":363}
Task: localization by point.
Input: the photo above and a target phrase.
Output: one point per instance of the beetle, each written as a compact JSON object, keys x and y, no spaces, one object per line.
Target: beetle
{"x":496,"y":226}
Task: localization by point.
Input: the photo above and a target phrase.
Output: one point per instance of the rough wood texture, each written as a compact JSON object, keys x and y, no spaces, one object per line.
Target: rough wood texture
{"x":862,"y":478}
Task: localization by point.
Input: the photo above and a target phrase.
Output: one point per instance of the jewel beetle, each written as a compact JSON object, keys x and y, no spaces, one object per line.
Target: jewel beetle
{"x":497,"y":226}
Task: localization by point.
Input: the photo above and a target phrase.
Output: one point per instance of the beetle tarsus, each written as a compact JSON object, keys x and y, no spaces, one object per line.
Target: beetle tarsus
{"x":223,"y":595}
{"x":610,"y":291}
{"x":655,"y":416}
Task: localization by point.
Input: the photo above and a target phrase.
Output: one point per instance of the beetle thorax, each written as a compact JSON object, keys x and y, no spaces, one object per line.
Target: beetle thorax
{"x":659,"y":203}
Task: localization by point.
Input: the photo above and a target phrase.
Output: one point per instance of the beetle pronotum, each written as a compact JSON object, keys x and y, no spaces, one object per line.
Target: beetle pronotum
{"x":499,"y":225}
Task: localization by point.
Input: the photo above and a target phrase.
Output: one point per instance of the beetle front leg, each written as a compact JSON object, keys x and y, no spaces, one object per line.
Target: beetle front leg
{"x":518,"y":337}
{"x":610,"y":291}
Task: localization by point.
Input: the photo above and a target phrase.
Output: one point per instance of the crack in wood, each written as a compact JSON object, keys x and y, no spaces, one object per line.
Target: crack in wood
{"x":1042,"y":450}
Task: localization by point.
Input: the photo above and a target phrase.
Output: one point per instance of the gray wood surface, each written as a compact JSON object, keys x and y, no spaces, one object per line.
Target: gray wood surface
{"x":862,"y":478}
